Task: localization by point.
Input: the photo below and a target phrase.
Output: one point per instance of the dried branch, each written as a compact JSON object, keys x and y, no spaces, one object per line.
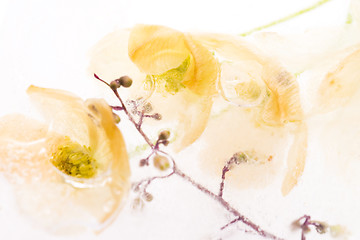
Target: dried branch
{"x":305,"y":223}
{"x":162,"y":140}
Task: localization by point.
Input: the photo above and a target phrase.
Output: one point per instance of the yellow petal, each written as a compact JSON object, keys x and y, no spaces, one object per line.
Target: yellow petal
{"x":156,"y":49}
{"x":65,"y":112}
{"x":284,"y":104}
{"x":109,"y":57}
{"x":110,"y":143}
{"x":242,"y":84}
{"x":229,"y":47}
{"x":52,"y":199}
{"x":296,"y":159}
{"x":185,"y":114}
{"x":193,"y":117}
{"x":161,"y":52}
{"x":203,"y":81}
{"x":235,"y":131}
{"x":340,"y":85}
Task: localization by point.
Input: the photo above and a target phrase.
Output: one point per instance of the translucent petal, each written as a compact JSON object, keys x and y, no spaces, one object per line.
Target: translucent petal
{"x":340,"y":84}
{"x":283,"y":104}
{"x":241,"y":83}
{"x":206,"y":69}
{"x":109,"y":59}
{"x":235,"y":131}
{"x":157,"y":49}
{"x":65,"y":112}
{"x":192,"y":120}
{"x":229,"y":47}
{"x":185,"y":114}
{"x":354,"y":12}
{"x":296,"y":159}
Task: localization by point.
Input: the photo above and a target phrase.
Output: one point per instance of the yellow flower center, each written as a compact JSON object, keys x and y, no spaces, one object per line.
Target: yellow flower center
{"x":75,"y":160}
{"x":172,"y":80}
{"x":249,"y":91}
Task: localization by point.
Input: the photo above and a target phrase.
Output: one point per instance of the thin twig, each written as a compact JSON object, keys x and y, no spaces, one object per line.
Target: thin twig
{"x":227,"y":206}
{"x":146,"y":182}
{"x":225,"y":170}
{"x":128,"y":113}
{"x":320,"y":227}
{"x":230,"y":223}
{"x":117,"y":108}
{"x":176,"y":171}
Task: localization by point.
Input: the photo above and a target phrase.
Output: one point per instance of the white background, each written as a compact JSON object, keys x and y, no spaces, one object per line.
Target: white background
{"x":47,"y":43}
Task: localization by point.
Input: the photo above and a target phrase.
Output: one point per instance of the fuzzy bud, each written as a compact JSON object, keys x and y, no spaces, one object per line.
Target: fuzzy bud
{"x":148,"y":197}
{"x":321,"y":227}
{"x":164,"y":135}
{"x":114,"y":85}
{"x":240,"y":157}
{"x":161,"y":162}
{"x":125,"y":81}
{"x":142,"y":162}
{"x":137,"y":204}
{"x":157,"y":116}
{"x":147,"y":107}
{"x":117,"y":119}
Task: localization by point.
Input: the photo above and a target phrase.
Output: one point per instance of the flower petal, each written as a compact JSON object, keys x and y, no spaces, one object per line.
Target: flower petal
{"x":340,"y":84}
{"x":66,"y":113}
{"x":235,"y":131}
{"x":296,"y":159}
{"x":185,"y":114}
{"x":192,"y":120}
{"x":206,"y":69}
{"x":157,"y":49}
{"x":283,"y":104}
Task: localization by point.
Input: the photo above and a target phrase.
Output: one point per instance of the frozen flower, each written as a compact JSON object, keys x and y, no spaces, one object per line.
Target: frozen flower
{"x":178,"y":74}
{"x":176,"y":64}
{"x":71,"y":173}
{"x":263,"y":87}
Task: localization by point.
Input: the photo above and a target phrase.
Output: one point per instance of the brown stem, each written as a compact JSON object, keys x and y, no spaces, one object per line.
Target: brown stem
{"x":230,"y":223}
{"x":133,"y":120}
{"x":146,"y":182}
{"x":222,"y":184}
{"x":178,"y":172}
{"x":227,"y":206}
{"x":124,"y":108}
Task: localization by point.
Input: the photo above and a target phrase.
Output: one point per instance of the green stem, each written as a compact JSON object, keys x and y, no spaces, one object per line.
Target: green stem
{"x":284,"y":19}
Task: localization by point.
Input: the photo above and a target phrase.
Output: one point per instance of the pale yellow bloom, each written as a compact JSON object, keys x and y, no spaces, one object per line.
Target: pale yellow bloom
{"x":341,"y":83}
{"x":269,"y":91}
{"x":177,"y":75}
{"x":78,"y":132}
